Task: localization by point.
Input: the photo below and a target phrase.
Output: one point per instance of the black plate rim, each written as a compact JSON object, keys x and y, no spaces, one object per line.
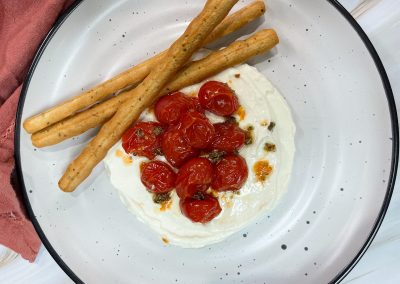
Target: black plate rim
{"x":393,"y":116}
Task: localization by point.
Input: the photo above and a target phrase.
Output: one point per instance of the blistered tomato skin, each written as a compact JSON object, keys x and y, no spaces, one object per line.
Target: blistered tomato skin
{"x":169,"y":108}
{"x":175,"y":147}
{"x":158,"y":177}
{"x":218,"y":98}
{"x":193,"y":177}
{"x":230,"y":173}
{"x":229,"y":137}
{"x":200,"y":210}
{"x":143,"y":139}
{"x":197,"y":129}
{"x":195,"y":104}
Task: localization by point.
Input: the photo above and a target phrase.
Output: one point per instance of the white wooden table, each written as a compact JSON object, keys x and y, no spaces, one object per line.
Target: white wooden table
{"x":380,"y":19}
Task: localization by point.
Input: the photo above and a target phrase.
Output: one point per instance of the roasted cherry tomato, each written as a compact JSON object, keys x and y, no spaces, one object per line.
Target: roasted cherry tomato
{"x":197,"y":128}
{"x":195,"y":104}
{"x":143,"y":139}
{"x":175,"y":147}
{"x":193,"y":177}
{"x":200,"y":210}
{"x":158,"y":177}
{"x":229,"y":137}
{"x":218,"y":98}
{"x":230,"y":173}
{"x":169,"y":108}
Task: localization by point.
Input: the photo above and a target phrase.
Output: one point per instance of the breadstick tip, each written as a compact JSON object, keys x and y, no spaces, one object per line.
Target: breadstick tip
{"x":64,"y":185}
{"x":262,"y":5}
{"x":27,"y":126}
{"x":275,"y":35}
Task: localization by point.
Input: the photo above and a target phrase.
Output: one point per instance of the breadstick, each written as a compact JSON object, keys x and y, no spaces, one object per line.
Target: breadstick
{"x":217,"y":61}
{"x":236,"y":53}
{"x":135,"y":74}
{"x":237,"y":20}
{"x":146,"y":92}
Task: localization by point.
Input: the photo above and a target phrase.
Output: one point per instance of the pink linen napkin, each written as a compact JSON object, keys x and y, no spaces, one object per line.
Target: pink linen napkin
{"x":23,"y":26}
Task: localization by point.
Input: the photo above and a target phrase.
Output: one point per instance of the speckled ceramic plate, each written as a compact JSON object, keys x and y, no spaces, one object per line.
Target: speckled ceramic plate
{"x":343,"y":176}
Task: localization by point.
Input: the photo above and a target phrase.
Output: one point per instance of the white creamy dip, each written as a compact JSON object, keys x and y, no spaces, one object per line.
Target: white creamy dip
{"x":261,"y":103}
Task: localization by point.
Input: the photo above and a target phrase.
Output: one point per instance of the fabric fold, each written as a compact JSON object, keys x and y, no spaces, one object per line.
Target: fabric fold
{"x":23,"y":26}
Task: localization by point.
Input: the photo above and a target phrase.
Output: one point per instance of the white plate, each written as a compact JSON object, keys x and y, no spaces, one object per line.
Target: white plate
{"x":347,"y":148}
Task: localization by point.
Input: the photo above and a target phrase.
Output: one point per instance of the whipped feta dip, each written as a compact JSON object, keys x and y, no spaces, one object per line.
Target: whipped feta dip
{"x":267,"y":113}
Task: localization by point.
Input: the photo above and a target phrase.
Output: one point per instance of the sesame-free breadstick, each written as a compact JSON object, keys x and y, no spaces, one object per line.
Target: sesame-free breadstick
{"x":135,"y":74}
